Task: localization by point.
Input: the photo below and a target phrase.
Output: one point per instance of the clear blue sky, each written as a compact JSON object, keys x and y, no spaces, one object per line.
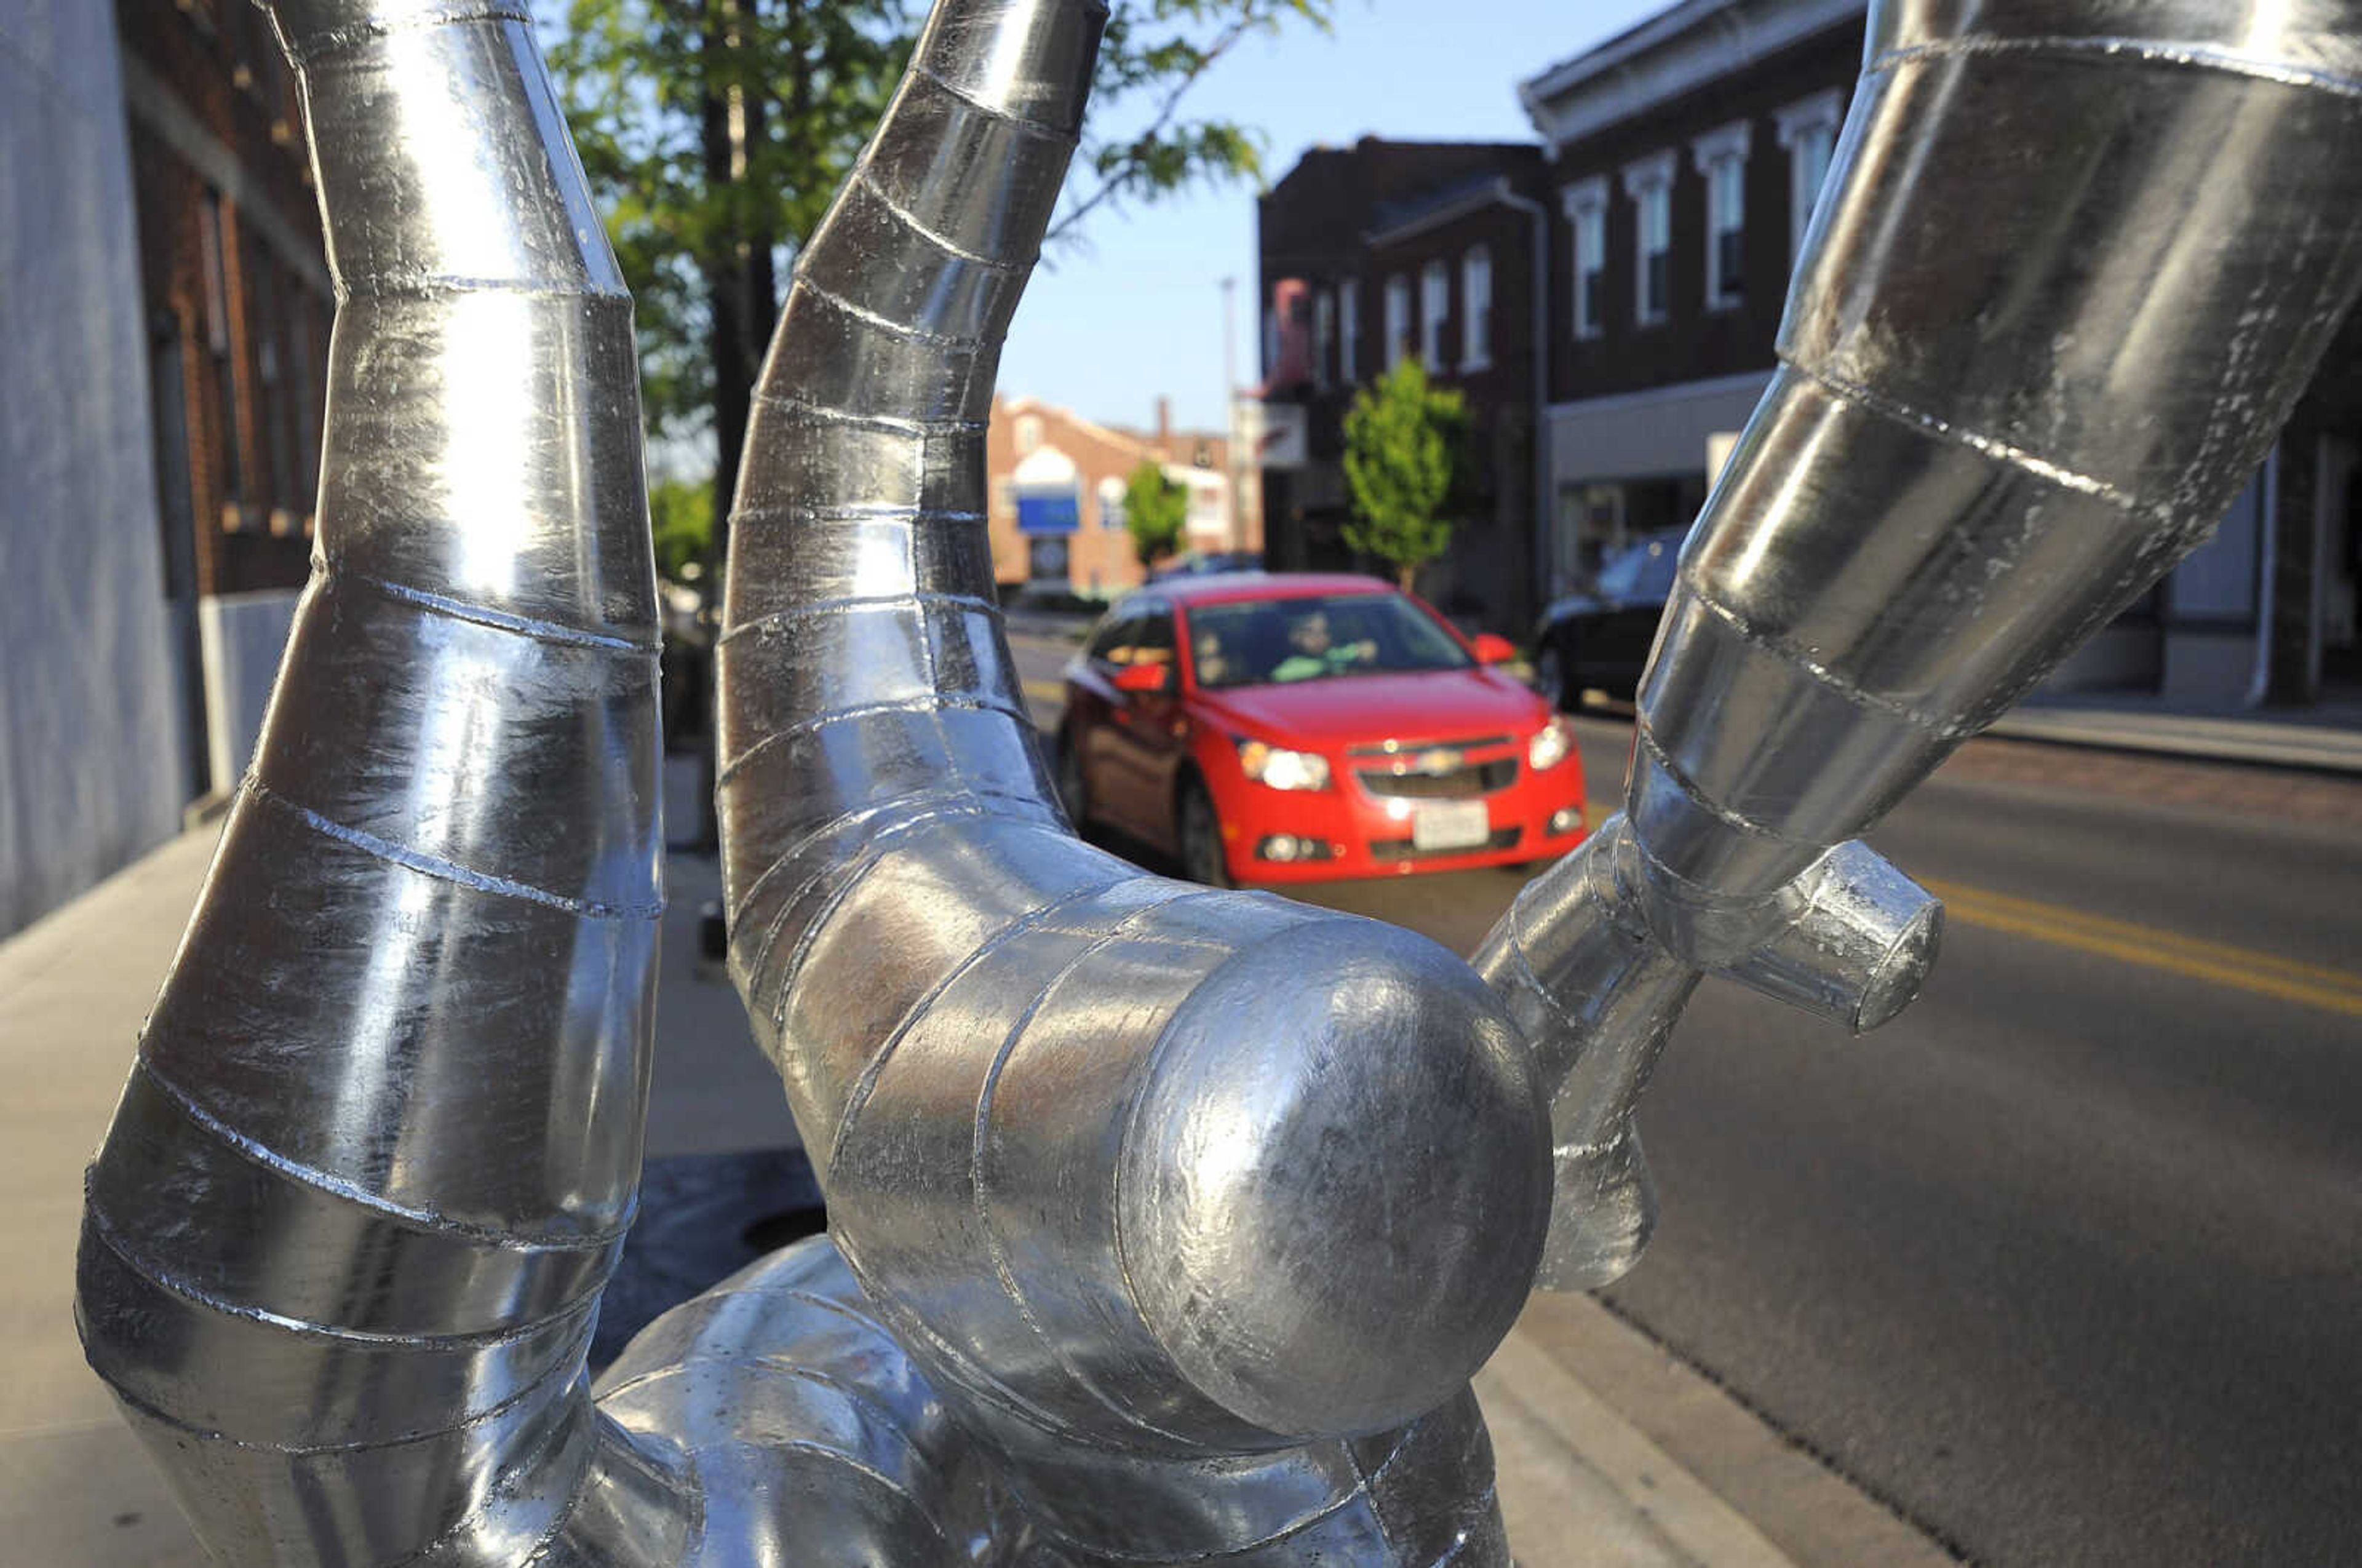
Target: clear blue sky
{"x":1136,"y":310}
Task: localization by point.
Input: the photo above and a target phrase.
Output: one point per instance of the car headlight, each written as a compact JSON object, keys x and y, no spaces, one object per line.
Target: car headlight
{"x":1550,"y":745}
{"x":1281,"y":768}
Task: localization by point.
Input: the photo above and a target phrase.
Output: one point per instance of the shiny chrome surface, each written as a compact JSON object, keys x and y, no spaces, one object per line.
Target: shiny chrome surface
{"x":1187,"y":1202}
{"x":347,"y":1235}
{"x":2080,"y":261}
{"x":1168,"y":1224}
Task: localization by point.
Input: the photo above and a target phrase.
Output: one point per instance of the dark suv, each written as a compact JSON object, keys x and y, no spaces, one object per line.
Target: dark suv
{"x":1599,"y":641}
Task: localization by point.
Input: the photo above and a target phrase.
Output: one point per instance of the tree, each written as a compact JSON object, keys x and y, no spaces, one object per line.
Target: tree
{"x":715,"y":132}
{"x":1153,"y":510}
{"x":1402,"y":438}
{"x":682,"y":513}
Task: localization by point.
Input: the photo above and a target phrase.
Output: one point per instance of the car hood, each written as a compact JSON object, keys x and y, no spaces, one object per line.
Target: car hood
{"x":1424,"y":706}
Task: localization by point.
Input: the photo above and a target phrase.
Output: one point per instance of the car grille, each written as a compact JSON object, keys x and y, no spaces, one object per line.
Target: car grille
{"x":1408,"y":749}
{"x":1395,"y":849}
{"x":1463,"y":782}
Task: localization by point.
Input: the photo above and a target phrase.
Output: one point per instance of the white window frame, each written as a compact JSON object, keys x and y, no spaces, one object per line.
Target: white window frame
{"x":1648,"y":181}
{"x":1434,"y":305}
{"x":1584,"y":203}
{"x":1397,"y":319}
{"x":1720,"y":157}
{"x":1349,"y":335}
{"x":1476,"y":308}
{"x":1804,"y":128}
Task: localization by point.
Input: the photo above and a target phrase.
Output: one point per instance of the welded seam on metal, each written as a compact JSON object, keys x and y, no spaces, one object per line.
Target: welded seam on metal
{"x":1043,"y":130}
{"x":975,"y":1380}
{"x":853,"y":512}
{"x":1797,"y":654}
{"x":2148,"y":52}
{"x":1364,"y":1479}
{"x":772,"y":1364}
{"x":165,"y":1280}
{"x":853,"y":870}
{"x":908,"y":332}
{"x":1015,"y":266}
{"x":444,"y":870}
{"x":931,"y":703}
{"x":425,"y":1220}
{"x":1713,"y":808}
{"x":301,"y":54}
{"x":994,"y":1247}
{"x":809,"y":608}
{"x":863,"y":1085}
{"x":805,"y":844}
{"x":534,"y":627}
{"x":432,"y":285}
{"x":2033,"y":465}
{"x":800,"y":407}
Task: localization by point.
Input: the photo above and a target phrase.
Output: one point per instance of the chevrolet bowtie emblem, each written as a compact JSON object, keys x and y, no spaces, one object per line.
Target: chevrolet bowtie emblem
{"x":1440,"y":759}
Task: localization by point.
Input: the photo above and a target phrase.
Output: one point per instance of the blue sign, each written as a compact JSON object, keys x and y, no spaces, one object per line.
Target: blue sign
{"x":1053,"y":511}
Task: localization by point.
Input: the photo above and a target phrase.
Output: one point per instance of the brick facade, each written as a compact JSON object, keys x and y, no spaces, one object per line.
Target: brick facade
{"x":1035,"y":448}
{"x":1340,"y":228}
{"x":235,"y":284}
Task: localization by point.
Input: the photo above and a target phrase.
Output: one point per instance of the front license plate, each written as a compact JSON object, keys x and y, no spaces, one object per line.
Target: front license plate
{"x":1455,"y":824}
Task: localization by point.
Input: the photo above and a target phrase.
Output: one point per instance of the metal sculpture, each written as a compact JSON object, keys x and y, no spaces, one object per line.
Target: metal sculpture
{"x":1167,"y":1225}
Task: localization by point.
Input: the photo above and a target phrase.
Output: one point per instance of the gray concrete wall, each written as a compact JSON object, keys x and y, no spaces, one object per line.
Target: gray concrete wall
{"x":90,"y":734}
{"x":244,"y":636}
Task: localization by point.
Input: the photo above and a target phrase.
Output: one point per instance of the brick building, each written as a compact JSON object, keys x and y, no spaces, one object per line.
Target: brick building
{"x":1686,"y":155}
{"x":1057,"y":482}
{"x":1382,"y":250}
{"x":236,"y":301}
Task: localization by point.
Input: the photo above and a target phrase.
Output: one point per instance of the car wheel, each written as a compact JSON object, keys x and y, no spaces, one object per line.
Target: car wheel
{"x":1073,"y":793}
{"x":1201,"y":838}
{"x":1551,"y":677}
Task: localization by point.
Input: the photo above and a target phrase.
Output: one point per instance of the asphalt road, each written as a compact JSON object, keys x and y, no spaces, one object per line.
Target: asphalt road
{"x":2065,"y":1264}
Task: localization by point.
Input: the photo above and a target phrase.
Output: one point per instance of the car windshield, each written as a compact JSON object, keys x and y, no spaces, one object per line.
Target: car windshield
{"x":1644,"y":571}
{"x":1262,"y":642}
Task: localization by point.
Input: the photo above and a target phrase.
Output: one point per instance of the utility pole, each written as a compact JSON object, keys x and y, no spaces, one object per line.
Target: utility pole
{"x":1232,"y":466}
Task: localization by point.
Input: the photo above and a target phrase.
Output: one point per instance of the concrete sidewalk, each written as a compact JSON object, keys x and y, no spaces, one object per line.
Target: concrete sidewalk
{"x":1610,"y":1450}
{"x":2323,"y":740}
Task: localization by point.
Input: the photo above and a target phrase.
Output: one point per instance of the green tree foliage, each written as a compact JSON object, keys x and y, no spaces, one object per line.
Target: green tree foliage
{"x":1154,"y":511}
{"x":1402,"y":441}
{"x":682,"y":512}
{"x":714,"y":133}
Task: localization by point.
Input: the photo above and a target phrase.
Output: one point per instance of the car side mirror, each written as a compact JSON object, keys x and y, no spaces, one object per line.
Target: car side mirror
{"x":1494,"y":648}
{"x":1145,"y":679}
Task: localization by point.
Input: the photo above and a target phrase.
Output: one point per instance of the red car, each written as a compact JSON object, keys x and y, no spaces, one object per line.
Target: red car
{"x":1295,"y":728}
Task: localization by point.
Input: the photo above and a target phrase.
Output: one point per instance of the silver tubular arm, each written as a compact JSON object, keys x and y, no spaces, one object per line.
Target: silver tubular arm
{"x":346,"y":1237}
{"x":2021,"y":374}
{"x":1198,"y":1208}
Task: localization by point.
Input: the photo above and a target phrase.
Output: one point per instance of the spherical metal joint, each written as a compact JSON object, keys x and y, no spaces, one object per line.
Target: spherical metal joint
{"x":1334,"y":1187}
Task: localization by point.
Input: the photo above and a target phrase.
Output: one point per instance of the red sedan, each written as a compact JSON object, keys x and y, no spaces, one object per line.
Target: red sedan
{"x":1293,"y":728}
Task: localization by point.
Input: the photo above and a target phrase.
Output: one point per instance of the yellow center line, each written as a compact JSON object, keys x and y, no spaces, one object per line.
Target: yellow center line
{"x":1046,"y":691}
{"x":2243,"y":968}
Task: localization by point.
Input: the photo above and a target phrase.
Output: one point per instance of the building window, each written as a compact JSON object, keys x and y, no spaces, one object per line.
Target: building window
{"x":1649,"y":184}
{"x":1113,"y":492}
{"x":1324,"y":334}
{"x":1721,"y":157}
{"x":1434,"y":305}
{"x":1476,"y":309}
{"x":1585,"y":205}
{"x":1398,"y":320}
{"x":1808,"y":129}
{"x":213,"y":246}
{"x":1349,"y":340}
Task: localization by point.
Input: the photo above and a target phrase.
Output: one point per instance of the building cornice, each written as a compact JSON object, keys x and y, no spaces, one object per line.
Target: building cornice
{"x":1671,"y":54}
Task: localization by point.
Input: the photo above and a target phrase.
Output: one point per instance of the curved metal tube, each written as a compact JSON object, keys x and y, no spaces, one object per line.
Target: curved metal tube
{"x":344,"y":1243}
{"x":1171,"y":1192}
{"x":1169,"y":1223}
{"x":2013,"y":389}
